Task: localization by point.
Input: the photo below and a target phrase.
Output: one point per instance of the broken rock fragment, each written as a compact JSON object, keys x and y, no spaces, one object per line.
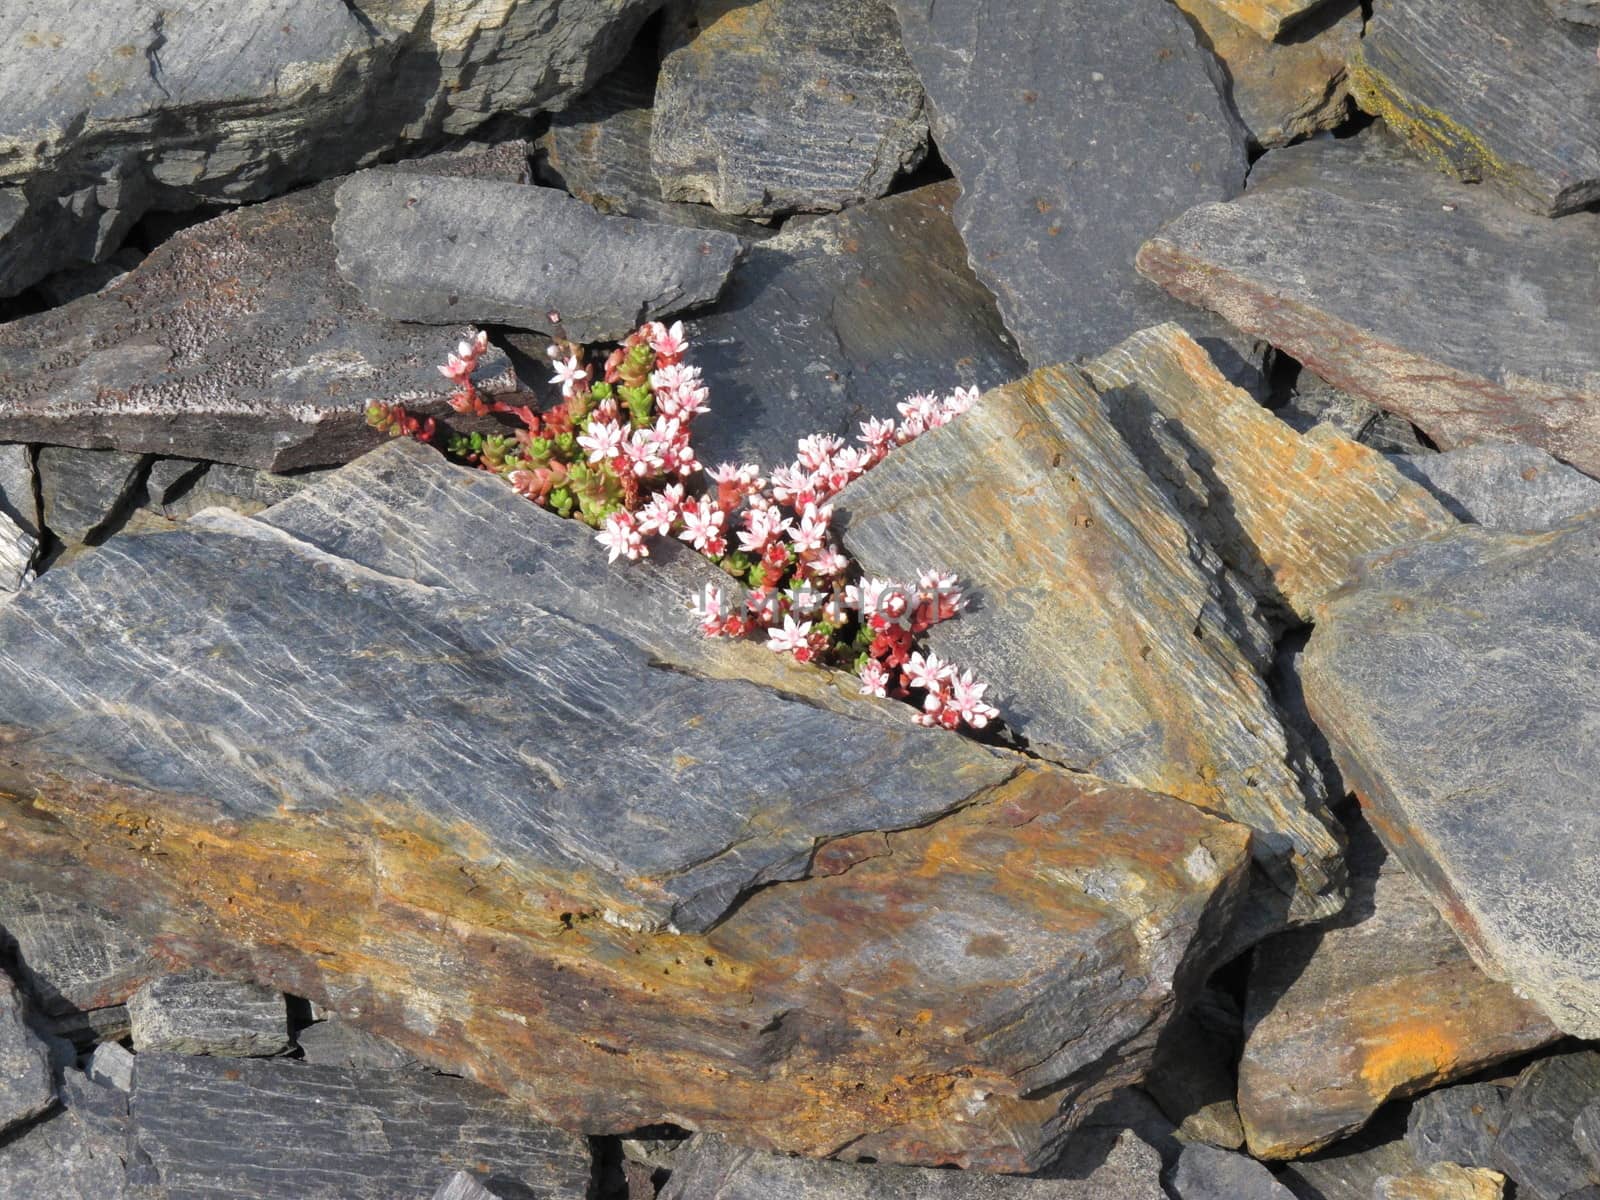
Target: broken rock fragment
{"x":198,"y":1013}
{"x":26,"y":1084}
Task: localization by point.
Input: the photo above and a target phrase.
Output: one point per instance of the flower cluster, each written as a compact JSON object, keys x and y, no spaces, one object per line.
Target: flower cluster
{"x":616,"y":453}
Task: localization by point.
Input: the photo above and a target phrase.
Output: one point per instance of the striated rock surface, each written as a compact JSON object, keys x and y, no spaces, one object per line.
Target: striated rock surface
{"x":1536,"y":1146}
{"x":1269,"y":18}
{"x":26,"y":1086}
{"x":84,"y":494}
{"x":1518,"y":489}
{"x":766,"y":107}
{"x":1583,"y":12}
{"x":281,"y":1130}
{"x":1442,"y":1181}
{"x":979,"y":947}
{"x":1382,"y":1002}
{"x":173,"y":107}
{"x":448,"y":251}
{"x":234,"y":341}
{"x":1291,"y":513}
{"x":1512,"y":357}
{"x":1109,"y":632}
{"x":1290,"y":89}
{"x":462,"y":1186}
{"x":1207,"y":1173}
{"x":77,"y":1153}
{"x":1350,"y":1169}
{"x":337,"y":1043}
{"x":1492,"y":90}
{"x":1069,"y":161}
{"x":198,"y":1013}
{"x":1457,"y":684}
{"x":1457,"y":1124}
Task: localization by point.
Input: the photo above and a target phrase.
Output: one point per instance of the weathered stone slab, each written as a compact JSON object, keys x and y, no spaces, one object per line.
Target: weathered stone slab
{"x":1514,"y":356}
{"x":79,"y":1153}
{"x":1536,"y":1146}
{"x":1380,"y":1003}
{"x":713,"y":1167}
{"x":1291,"y":513}
{"x":85,"y":493}
{"x":1457,"y":683}
{"x":462,"y":1186}
{"x":73,"y":957}
{"x":1269,"y":18}
{"x":1068,"y":161}
{"x":281,"y":1130}
{"x":1207,"y":1173}
{"x":598,"y":148}
{"x":1457,"y":1124}
{"x":1351,"y":1169}
{"x":337,"y":1043}
{"x":1586,"y":1136}
{"x":1490,"y":90}
{"x":198,"y":1013}
{"x":235,"y":341}
{"x":1100,"y":619}
{"x":1442,"y":1181}
{"x":19,"y":488}
{"x":1194,"y":1077}
{"x":931,"y":952}
{"x":771,"y":106}
{"x":446,"y":251}
{"x":173,"y":108}
{"x":1312,"y":401}
{"x":1284,"y":90}
{"x":1517,"y":489}
{"x":1583,"y":12}
{"x":111,"y":1065}
{"x":26,"y":1084}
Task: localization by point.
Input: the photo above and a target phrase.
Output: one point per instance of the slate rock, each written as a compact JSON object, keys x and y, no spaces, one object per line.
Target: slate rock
{"x":235,"y":341}
{"x":1350,"y":1169}
{"x":74,"y":959}
{"x":18,"y":549}
{"x":337,"y":1043}
{"x":27,"y":1087}
{"x":1518,"y":489}
{"x":172,"y":109}
{"x":1270,"y":18}
{"x":1291,"y":513}
{"x":1536,"y":1146}
{"x":179,"y":488}
{"x":1457,"y":1124}
{"x":1442,"y":1181}
{"x":1207,"y":1173}
{"x":1340,"y":255}
{"x":1284,"y":90}
{"x":1194,"y":1081}
{"x":1100,"y":619}
{"x":1488,"y":90}
{"x":1454,"y":682}
{"x":663,"y":937}
{"x":282,"y":1130}
{"x":1288,"y":696}
{"x":462,"y":1186}
{"x":111,"y":1065}
{"x":1586,"y":1136}
{"x":1067,"y":164}
{"x":198,"y":1013}
{"x":445,"y":251}
{"x":19,"y":488}
{"x":598,"y":148}
{"x":711,"y":1166}
{"x":77,"y":1153}
{"x":86,"y":494}
{"x":1314,"y":401}
{"x":1379,"y":1003}
{"x":766,"y":107}
{"x":1583,"y":12}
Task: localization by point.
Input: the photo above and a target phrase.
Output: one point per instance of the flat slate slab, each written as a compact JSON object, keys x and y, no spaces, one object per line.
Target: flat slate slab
{"x":1491,"y":90}
{"x":1457,"y":683}
{"x":73,"y":957}
{"x":449,"y":251}
{"x":1069,"y":161}
{"x":1382,"y":1002}
{"x":198,"y":1013}
{"x":27,"y":1087}
{"x":766,"y":107}
{"x":1107,"y":630}
{"x":1518,"y":489}
{"x":617,"y":937}
{"x":1339,"y":255}
{"x":282,"y":1130}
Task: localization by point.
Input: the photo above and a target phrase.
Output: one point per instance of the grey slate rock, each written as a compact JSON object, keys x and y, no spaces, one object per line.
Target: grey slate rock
{"x":1351,"y":1169}
{"x":1518,"y":489}
{"x":87,"y":493}
{"x":710,"y":1166}
{"x":27,"y":1084}
{"x":765,"y":107}
{"x":1339,"y":255}
{"x":176,"y":107}
{"x":198,"y":1013}
{"x":1583,"y":12}
{"x":1457,"y":1124}
{"x":281,"y":1130}
{"x":111,"y":1065}
{"x":1455,"y":681}
{"x":1491,"y":90}
{"x":1068,"y":160}
{"x":445,"y":251}
{"x":1207,"y":1173}
{"x":77,"y":1153}
{"x":337,"y":1043}
{"x":1586,"y":1136}
{"x":462,"y":1186}
{"x":1314,"y":401}
{"x":179,"y":488}
{"x":235,"y":341}
{"x":1193,"y":1077}
{"x":18,"y":488}
{"x":1536,"y":1145}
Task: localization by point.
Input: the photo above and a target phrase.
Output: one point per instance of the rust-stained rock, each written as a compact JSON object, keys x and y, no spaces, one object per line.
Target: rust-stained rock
{"x":1107,"y":628}
{"x":558,"y":860}
{"x":1381,"y":1003}
{"x":1441,"y":302}
{"x":1442,"y":1181}
{"x":1287,"y":89}
{"x":1291,"y":512}
{"x":1270,"y":18}
{"x":236,"y":341}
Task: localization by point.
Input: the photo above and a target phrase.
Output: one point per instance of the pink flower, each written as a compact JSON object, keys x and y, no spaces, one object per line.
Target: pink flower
{"x":702,"y":526}
{"x":669,"y":343}
{"x":570,"y":374}
{"x":813,"y":528}
{"x":877,"y":436}
{"x":874,"y":679}
{"x":709,"y":609}
{"x":793,"y":636}
{"x":817,"y":449}
{"x":761,"y":526}
{"x":620,"y":537}
{"x":927,"y":672}
{"x":966,"y":698}
{"x":643,"y":453}
{"x":603,"y":441}
{"x":828,"y":561}
{"x":961,"y":400}
{"x":789,"y":482}
{"x":660,"y":512}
